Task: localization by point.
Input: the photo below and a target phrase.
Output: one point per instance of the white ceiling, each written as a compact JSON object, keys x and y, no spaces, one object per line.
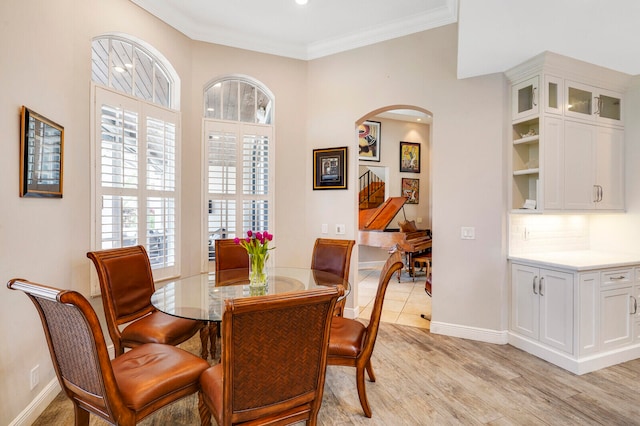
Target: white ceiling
{"x":282,"y":27}
{"x":494,"y":35}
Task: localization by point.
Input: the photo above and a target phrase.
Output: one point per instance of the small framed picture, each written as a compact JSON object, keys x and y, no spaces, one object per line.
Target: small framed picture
{"x":41,"y":150}
{"x":410,"y":157}
{"x":369,"y":141}
{"x":411,"y":190}
{"x":330,"y":168}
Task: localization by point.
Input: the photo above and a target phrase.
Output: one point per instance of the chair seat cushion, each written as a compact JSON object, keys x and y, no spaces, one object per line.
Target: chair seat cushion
{"x":159,"y":327}
{"x":347,"y":337}
{"x":148,"y":372}
{"x":211,"y":383}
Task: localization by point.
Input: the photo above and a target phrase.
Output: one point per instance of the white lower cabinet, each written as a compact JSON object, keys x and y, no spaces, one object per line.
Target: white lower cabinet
{"x":616,"y":314}
{"x":540,"y":299}
{"x":635,"y":308}
{"x":579,"y":320}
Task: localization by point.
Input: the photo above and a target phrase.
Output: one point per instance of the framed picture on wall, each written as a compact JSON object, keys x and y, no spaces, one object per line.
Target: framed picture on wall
{"x":41,"y":149}
{"x":330,"y":168}
{"x":410,"y":157}
{"x":411,"y":190}
{"x":369,"y":141}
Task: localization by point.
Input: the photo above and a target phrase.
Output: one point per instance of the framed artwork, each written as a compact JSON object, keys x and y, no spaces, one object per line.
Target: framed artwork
{"x":410,"y":157}
{"x":369,"y":141}
{"x":411,"y":190}
{"x":330,"y":168}
{"x":41,"y":148}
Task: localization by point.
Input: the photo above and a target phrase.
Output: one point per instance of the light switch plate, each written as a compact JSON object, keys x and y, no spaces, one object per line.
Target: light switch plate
{"x":325,"y":228}
{"x":340,"y":229}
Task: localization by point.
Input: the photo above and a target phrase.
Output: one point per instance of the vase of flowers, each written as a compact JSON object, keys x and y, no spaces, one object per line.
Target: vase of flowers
{"x":257,"y":246}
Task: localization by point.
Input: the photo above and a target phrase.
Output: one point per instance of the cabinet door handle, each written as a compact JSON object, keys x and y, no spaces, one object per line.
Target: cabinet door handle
{"x":540,"y":286}
{"x":595,"y":193}
{"x":635,"y":305}
{"x":619,"y":277}
{"x":599,"y":193}
{"x":535,"y":278}
{"x":534,"y":101}
{"x":598,"y":105}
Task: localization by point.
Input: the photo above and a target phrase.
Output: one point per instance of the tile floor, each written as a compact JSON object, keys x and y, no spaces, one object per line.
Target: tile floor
{"x":403,"y":302}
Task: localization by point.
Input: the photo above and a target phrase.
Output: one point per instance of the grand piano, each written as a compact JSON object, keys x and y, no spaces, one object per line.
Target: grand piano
{"x":372,"y":224}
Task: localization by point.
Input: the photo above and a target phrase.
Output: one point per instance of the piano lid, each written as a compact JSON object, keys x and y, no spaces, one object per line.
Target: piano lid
{"x":377,"y":219}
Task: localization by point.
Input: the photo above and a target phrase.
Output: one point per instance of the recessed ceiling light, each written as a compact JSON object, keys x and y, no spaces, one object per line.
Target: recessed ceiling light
{"x":301,"y":1}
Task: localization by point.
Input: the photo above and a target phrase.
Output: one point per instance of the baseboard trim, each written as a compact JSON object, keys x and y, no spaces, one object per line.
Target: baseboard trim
{"x":30,"y":414}
{"x":471,"y":333}
{"x":371,"y":265}
{"x":576,"y":365}
{"x":352,"y":312}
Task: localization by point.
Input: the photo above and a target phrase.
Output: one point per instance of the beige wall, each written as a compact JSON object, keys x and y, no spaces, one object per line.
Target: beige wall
{"x":467,"y":157}
{"x":317,"y":106}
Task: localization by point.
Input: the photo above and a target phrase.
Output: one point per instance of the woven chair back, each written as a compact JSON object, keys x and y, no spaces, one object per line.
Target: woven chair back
{"x":275,"y":351}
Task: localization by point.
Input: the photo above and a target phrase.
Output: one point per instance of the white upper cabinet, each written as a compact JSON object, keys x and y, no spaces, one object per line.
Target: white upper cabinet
{"x":593,"y":167}
{"x":525,"y":98}
{"x":553,"y":94}
{"x":593,"y":104}
{"x":567,"y":140}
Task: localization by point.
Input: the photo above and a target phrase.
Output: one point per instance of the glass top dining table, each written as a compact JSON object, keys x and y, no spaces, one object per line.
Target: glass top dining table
{"x":202,"y":296}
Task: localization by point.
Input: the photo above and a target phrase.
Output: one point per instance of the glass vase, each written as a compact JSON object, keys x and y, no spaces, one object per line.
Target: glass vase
{"x":257,"y":270}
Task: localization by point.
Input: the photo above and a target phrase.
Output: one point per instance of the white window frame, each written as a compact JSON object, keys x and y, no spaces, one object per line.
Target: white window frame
{"x":145,"y":109}
{"x":239,"y":129}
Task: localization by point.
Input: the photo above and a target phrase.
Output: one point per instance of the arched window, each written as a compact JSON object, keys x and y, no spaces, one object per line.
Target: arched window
{"x":239,"y":160}
{"x":136,"y":149}
{"x":128,"y":67}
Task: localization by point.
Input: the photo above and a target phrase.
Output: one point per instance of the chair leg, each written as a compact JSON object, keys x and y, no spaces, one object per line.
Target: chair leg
{"x":370,"y":372}
{"x":214,"y":331}
{"x":204,"y":342}
{"x":203,"y":410}
{"x":81,"y":416}
{"x":362,"y":391}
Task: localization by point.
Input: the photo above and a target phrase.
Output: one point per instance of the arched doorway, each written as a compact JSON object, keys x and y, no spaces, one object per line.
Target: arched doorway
{"x":383,"y":136}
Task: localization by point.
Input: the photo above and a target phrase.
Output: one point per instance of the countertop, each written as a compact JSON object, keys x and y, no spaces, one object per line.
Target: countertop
{"x":582,"y":260}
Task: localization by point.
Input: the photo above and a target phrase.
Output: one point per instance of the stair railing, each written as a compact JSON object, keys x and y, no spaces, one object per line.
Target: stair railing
{"x":365,"y":183}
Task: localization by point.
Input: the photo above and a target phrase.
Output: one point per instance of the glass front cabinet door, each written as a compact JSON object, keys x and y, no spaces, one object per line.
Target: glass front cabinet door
{"x":525,"y":98}
{"x":593,"y":104}
{"x":553,"y":94}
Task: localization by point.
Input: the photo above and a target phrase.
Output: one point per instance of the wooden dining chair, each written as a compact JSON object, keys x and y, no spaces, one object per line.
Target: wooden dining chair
{"x":274,"y":358}
{"x":123,"y":391}
{"x":351,"y":343}
{"x":126,"y":284}
{"x":333,"y":255}
{"x":230,"y":255}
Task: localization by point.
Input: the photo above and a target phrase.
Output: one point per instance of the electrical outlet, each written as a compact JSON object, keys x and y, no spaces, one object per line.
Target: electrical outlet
{"x":34,"y":377}
{"x":468,"y":233}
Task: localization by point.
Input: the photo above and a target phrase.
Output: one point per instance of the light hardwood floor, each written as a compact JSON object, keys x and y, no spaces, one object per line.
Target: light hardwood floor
{"x":428,"y":379}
